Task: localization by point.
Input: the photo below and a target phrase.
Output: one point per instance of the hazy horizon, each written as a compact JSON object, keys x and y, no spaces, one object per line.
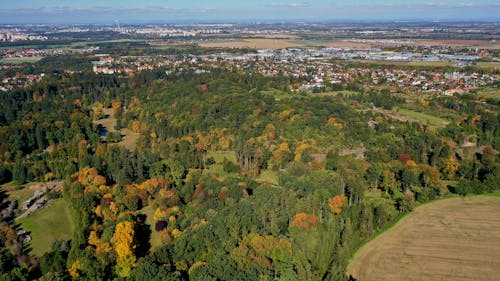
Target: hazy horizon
{"x":157,"y":11}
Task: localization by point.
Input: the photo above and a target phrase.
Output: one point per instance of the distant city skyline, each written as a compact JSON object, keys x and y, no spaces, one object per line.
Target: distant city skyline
{"x":167,"y":11}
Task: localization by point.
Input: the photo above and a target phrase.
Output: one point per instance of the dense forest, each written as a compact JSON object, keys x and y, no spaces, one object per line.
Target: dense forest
{"x":241,"y":185}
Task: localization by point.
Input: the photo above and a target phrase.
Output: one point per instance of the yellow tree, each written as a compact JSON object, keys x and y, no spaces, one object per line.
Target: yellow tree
{"x":203,"y":144}
{"x":281,"y":155}
{"x":451,"y":166}
{"x":98,"y":111}
{"x":117,"y":107}
{"x":336,"y":203}
{"x":123,"y":243}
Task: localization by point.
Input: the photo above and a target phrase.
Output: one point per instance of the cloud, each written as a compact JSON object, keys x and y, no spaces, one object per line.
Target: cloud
{"x":448,"y":5}
{"x":290,"y":5}
{"x":105,"y":10}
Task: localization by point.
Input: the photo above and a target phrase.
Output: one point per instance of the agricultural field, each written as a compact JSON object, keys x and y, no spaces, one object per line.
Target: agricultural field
{"x":51,"y":223}
{"x":452,"y":239}
{"x":281,"y":43}
{"x":97,"y":42}
{"x":459,"y":43}
{"x":489,"y":93}
{"x":252,"y":43}
{"x":20,"y":60}
{"x":338,"y":93}
{"x":488,"y":65}
{"x":410,"y":63}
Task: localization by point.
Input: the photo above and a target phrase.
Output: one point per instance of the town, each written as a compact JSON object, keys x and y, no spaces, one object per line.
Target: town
{"x":315,"y":69}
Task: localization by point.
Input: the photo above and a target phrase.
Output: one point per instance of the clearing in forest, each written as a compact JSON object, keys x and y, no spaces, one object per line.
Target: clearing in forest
{"x":452,"y":239}
{"x":50,"y":223}
{"x":129,"y":138}
{"x":404,"y":115}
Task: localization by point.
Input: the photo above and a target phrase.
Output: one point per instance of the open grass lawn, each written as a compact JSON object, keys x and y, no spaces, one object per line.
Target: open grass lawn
{"x":489,"y":65}
{"x":218,"y":167}
{"x":490,"y":93}
{"x":421,"y":117}
{"x":96,"y":42}
{"x":47,"y":225}
{"x":129,"y":138}
{"x":20,"y":60}
{"x":310,"y":43}
{"x":220,"y":155}
{"x":155,"y":239}
{"x":337,"y":93}
{"x":219,"y":170}
{"x":452,"y":239}
{"x":20,"y":195}
{"x":495,"y":194}
{"x":268,"y":176}
{"x":373,"y":193}
{"x":18,"y":47}
{"x":277,"y":94}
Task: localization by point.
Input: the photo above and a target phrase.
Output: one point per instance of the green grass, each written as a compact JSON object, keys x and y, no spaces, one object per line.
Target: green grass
{"x":19,"y":195}
{"x":422,"y":117}
{"x":277,"y":94}
{"x":409,"y":63}
{"x":373,"y":193}
{"x":496,"y":194}
{"x":451,"y":183}
{"x":20,"y":47}
{"x":87,"y":43}
{"x":488,"y":65}
{"x":337,"y":93}
{"x":311,"y":42}
{"x":219,"y":170}
{"x":155,"y":239}
{"x":268,"y":176}
{"x":20,"y":60}
{"x":489,"y":93}
{"x":47,"y":225}
{"x":218,"y":167}
{"x":220,"y":155}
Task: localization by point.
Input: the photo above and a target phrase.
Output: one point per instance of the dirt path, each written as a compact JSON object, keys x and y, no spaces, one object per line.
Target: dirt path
{"x":453,"y":239}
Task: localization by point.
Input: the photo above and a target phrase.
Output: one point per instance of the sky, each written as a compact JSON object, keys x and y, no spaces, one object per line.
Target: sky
{"x":157,"y":11}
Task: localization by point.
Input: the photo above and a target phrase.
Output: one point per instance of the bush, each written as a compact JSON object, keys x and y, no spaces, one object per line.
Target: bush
{"x":160,"y":225}
{"x":114,"y":137}
{"x":230,"y":167}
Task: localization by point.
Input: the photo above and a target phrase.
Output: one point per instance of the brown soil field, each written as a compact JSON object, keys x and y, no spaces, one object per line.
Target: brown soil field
{"x":347,"y":44}
{"x":281,"y":42}
{"x":452,"y":239}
